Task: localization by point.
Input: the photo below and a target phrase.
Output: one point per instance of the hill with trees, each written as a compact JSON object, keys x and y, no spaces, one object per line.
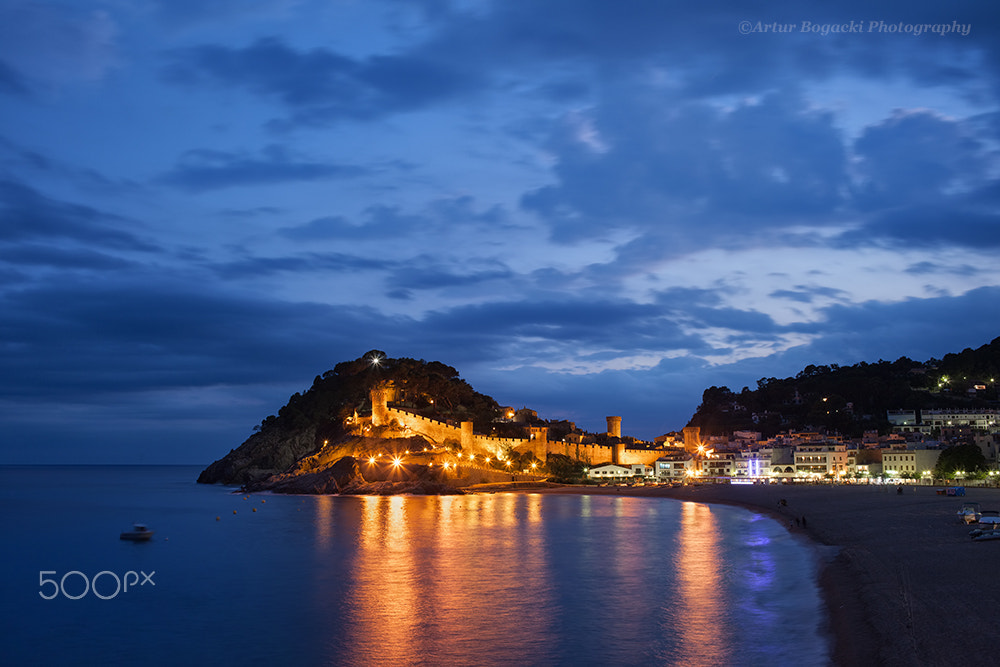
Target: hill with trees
{"x":318,"y":415}
{"x":852,"y":399}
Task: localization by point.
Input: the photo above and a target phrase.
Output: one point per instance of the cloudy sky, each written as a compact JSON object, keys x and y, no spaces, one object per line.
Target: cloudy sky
{"x":587,"y":207}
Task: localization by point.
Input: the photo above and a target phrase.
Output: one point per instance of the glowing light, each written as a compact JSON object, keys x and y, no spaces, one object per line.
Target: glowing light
{"x":371,"y":460}
{"x":507,"y":463}
{"x":396,"y":462}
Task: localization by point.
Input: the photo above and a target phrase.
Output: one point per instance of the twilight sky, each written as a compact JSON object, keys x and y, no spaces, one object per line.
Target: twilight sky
{"x":587,"y":207}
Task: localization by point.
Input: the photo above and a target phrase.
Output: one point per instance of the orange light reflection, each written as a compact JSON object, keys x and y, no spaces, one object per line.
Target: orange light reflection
{"x":700,"y":581}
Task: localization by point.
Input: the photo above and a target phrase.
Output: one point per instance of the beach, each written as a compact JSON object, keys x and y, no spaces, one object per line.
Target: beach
{"x":903,"y":581}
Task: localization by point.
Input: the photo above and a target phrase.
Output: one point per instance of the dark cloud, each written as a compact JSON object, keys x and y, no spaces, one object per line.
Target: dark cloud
{"x":655,"y":165}
{"x":422,"y":274}
{"x":11,"y":82}
{"x":321,"y":85}
{"x":251,"y":212}
{"x":202,"y":170}
{"x":100,"y":339}
{"x":258,"y":266}
{"x":929,"y":226}
{"x":916,"y":156}
{"x":573,"y":324}
{"x":33,"y":255}
{"x":910,"y":327}
{"x":926,"y":268}
{"x":26,"y":214}
{"x":390,"y":222}
{"x":807,"y":293}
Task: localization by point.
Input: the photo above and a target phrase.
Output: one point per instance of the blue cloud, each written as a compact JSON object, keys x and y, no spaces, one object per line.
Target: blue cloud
{"x":26,"y":214}
{"x":202,"y":170}
{"x":632,"y":166}
{"x":320,"y":85}
{"x":11,"y":81}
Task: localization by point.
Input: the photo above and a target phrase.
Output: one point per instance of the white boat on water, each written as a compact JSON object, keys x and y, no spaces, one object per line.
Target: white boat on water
{"x":139,"y":533}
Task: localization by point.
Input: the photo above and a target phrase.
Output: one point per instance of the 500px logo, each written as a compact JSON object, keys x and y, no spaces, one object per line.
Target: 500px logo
{"x":121,"y":584}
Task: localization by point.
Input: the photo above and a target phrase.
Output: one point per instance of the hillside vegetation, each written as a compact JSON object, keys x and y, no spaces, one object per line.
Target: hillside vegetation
{"x":852,"y":399}
{"x":317,"y":415}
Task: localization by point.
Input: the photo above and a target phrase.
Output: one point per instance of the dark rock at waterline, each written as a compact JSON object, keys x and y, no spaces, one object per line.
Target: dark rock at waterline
{"x":262,"y":455}
{"x":330,"y":479}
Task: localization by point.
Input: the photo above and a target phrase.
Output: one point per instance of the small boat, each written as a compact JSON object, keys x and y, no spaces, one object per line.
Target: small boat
{"x":139,"y":533}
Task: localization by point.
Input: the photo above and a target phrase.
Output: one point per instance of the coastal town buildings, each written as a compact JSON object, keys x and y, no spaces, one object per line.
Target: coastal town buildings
{"x":909,"y":452}
{"x":932,"y":422}
{"x":912,"y":462}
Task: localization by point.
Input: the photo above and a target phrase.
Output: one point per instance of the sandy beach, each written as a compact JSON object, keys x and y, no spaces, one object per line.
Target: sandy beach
{"x":903,"y":581}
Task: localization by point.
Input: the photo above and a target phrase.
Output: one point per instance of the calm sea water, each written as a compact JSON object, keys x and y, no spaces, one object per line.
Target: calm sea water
{"x":502,"y":579}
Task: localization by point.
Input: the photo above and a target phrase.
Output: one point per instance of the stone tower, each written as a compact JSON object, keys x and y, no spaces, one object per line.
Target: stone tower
{"x":382,"y":394}
{"x":614,"y":427}
{"x":692,"y":438}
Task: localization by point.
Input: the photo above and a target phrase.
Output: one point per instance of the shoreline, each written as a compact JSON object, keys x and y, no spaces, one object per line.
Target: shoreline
{"x":898,"y":574}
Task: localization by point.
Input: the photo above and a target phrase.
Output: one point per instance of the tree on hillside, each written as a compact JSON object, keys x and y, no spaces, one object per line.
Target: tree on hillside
{"x":966,"y":458}
{"x":563,"y":468}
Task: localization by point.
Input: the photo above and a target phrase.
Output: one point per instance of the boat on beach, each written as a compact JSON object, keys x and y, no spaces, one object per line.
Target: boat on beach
{"x":139,"y":533}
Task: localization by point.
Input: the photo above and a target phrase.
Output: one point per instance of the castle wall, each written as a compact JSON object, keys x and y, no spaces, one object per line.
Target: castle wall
{"x":482,"y":445}
{"x":647,"y":456}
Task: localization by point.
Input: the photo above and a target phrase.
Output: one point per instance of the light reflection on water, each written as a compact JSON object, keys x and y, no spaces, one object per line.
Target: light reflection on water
{"x":700,"y":602}
{"x":532,"y":579}
{"x":510,"y":579}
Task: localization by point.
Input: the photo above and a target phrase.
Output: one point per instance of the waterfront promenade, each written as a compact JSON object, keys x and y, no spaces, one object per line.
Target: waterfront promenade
{"x":904,"y":582}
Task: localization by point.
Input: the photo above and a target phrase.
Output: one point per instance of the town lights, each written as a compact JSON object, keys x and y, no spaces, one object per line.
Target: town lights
{"x":371,"y":460}
{"x":396,"y":462}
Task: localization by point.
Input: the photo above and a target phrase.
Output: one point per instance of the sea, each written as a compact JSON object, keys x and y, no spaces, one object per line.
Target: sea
{"x":485,"y":579}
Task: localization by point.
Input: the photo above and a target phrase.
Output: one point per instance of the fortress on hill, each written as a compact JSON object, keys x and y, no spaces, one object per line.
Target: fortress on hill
{"x":537,"y":442}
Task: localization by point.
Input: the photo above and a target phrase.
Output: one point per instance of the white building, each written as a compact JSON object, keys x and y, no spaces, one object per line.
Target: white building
{"x":674,"y":468}
{"x":752,"y":463}
{"x":641,"y":470}
{"x":722,"y":464}
{"x":906,"y":421}
{"x":610,"y":471}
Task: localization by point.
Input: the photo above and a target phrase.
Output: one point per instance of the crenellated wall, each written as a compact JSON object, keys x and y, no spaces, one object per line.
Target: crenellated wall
{"x":537,"y":443}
